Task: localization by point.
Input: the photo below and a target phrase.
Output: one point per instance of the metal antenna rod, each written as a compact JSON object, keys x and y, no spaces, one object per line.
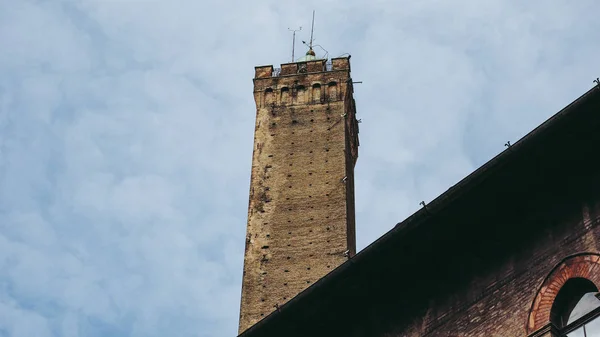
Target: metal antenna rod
{"x":311,"y":30}
{"x":294,"y":40}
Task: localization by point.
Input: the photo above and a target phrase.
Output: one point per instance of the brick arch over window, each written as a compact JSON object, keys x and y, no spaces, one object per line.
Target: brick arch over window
{"x":585,"y":265}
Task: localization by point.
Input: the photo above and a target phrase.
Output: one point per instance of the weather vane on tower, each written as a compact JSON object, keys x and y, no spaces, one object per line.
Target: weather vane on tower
{"x":294,"y":39}
{"x":310,"y":54}
{"x":310,"y":43}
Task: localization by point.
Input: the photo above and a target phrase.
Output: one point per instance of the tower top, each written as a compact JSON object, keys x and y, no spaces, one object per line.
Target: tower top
{"x":308,"y":66}
{"x":309,"y":63}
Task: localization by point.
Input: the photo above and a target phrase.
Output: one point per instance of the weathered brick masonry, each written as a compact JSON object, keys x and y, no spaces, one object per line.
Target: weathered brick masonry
{"x":301,"y":210}
{"x":486,"y":258}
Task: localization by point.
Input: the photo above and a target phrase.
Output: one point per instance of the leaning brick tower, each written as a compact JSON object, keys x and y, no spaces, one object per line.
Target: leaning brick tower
{"x":301,"y":209}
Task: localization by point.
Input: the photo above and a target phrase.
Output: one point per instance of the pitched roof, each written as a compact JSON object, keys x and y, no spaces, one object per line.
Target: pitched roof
{"x":468,"y":222}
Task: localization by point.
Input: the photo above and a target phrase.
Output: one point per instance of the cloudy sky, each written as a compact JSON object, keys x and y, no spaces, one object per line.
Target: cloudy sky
{"x":126,"y":131}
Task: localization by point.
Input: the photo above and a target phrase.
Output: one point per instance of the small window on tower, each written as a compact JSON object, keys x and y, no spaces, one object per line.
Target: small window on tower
{"x":332,"y":91}
{"x":269,"y":97}
{"x":300,"y":94}
{"x":285,"y":95}
{"x":316,"y":93}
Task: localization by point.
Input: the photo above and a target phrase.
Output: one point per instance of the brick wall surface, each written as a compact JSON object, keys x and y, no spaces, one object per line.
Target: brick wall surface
{"x":300,"y":216}
{"x":499,"y":300}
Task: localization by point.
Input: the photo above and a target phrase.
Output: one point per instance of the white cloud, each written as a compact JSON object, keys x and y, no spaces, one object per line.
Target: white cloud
{"x":126,"y":137}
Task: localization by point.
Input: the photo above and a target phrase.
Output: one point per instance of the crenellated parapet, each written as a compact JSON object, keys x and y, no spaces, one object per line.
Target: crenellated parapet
{"x":310,"y":82}
{"x":307,"y":67}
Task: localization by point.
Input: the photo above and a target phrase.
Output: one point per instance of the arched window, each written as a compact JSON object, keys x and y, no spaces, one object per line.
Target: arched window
{"x":285,"y":95}
{"x":568,"y":299}
{"x":576,"y":308}
{"x":332,"y":88}
{"x":300,"y":94}
{"x":570,"y":302}
{"x":316,"y":93}
{"x":269,"y":97}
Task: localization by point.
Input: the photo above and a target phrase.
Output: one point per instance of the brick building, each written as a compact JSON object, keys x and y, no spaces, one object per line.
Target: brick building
{"x":511,"y":250}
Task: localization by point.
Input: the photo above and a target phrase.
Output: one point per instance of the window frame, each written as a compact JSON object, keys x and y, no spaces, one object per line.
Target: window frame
{"x":590,"y":316}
